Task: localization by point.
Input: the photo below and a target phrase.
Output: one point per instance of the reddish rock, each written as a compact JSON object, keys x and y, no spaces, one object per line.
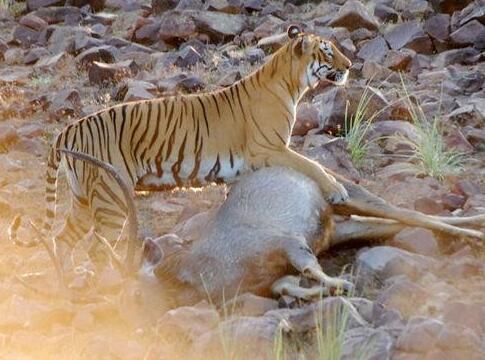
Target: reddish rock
{"x":375,"y":71}
{"x":420,"y":336}
{"x":36,"y":4}
{"x":428,"y":206}
{"x":455,"y":139}
{"x":398,"y":60}
{"x":229,"y":6}
{"x":307,"y":118}
{"x":476,"y":137}
{"x":375,"y":50}
{"x":449,"y":6}
{"x":105,"y":54}
{"x":469,"y":34}
{"x":146,"y":32}
{"x":30,"y":146}
{"x":175,"y":26}
{"x":417,"y":240}
{"x":55,"y":15}
{"x":8,"y":137}
{"x":33,"y":22}
{"x":452,"y":201}
{"x":466,"y":188}
{"x":468,"y":115}
{"x":219,"y":26}
{"x":100,"y":73}
{"x":409,"y":35}
{"x":159,"y":6}
{"x":354,"y":15}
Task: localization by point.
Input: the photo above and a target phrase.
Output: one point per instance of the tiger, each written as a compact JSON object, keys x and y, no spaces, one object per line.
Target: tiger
{"x":191,"y":140}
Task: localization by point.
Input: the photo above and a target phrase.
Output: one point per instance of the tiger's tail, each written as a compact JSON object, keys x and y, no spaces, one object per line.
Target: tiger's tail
{"x":53,"y":162}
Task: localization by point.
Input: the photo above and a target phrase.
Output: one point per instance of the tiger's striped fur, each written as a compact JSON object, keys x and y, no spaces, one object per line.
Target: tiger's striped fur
{"x":190,"y":140}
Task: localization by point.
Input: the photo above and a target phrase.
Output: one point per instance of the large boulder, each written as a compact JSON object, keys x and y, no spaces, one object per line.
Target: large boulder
{"x":410,"y":35}
{"x":354,"y":15}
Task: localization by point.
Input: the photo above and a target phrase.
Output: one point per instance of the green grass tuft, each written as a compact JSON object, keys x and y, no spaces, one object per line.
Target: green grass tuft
{"x":357,"y":126}
{"x":430,"y":155}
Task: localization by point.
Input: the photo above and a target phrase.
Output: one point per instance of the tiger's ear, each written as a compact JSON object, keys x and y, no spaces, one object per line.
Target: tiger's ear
{"x":293,"y":31}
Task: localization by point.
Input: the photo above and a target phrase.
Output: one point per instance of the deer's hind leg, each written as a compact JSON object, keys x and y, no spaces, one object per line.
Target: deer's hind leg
{"x":363,"y":202}
{"x":290,"y":285}
{"x":304,"y":260}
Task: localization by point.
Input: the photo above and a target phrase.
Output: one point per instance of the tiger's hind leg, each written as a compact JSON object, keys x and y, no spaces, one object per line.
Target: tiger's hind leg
{"x":76,"y":226}
{"x":109,"y":215}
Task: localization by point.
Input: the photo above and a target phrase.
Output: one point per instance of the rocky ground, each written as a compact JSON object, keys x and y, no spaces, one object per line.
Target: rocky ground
{"x":420,"y":295}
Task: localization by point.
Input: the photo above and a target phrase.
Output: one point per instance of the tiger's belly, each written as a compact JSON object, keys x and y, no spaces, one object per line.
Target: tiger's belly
{"x":217,"y":169}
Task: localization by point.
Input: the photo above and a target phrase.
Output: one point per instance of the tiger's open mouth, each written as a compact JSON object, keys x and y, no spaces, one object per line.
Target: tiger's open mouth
{"x":337,"y":77}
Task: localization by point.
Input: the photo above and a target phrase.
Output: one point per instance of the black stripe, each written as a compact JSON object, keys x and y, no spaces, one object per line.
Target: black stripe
{"x":176,"y":167}
{"x":205,"y":115}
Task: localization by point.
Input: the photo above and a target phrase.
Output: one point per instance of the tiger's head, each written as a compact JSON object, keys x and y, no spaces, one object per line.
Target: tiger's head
{"x":319,"y":58}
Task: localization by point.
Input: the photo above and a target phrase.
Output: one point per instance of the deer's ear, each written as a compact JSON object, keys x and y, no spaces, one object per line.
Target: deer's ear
{"x":293,"y":31}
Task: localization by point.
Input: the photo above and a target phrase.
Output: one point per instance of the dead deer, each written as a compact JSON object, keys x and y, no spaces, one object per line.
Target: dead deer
{"x":273,"y":221}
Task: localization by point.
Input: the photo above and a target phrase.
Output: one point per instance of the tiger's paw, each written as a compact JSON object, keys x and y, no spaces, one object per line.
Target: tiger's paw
{"x":337,"y":194}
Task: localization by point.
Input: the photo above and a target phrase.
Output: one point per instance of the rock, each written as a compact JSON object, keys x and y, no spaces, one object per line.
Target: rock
{"x":100,"y":73}
{"x":175,"y":26}
{"x":251,"y":305}
{"x":449,"y":6}
{"x":373,"y":70}
{"x":254,"y":55}
{"x":30,"y":146}
{"x":8,"y":137}
{"x":417,"y":10}
{"x":470,"y":315}
{"x":25,"y":36}
{"x":471,"y":33}
{"x":50,"y":62}
{"x":376,"y":343}
{"x":96,"y":5}
{"x":466,"y":188}
{"x":468,"y":115}
{"x":226,"y":6}
{"x":181,"y":82}
{"x":36,"y":4}
{"x":354,"y":15}
{"x":230,"y":78}
{"x":187,"y":57}
{"x":455,"y":139}
{"x":428,"y":206}
{"x":251,"y":336}
{"x":463,"y":56}
{"x":66,"y":102}
{"x":383,"y":262}
{"x":104,"y":54}
{"x":411,"y":36}
{"x":33,"y":22}
{"x":375,"y":49}
{"x":417,"y":240}
{"x":64,"y":38}
{"x":14,"y":56}
{"x":452,"y":201}
{"x":438,"y":27}
{"x":307,"y":118}
{"x":34,"y":55}
{"x":189,"y":321}
{"x":15,"y":74}
{"x":398,"y":60}
{"x":55,"y":15}
{"x":333,"y":104}
{"x":420,"y":335}
{"x":476,"y":137}
{"x":387,"y":128}
{"x":385,"y":13}
{"x":403,"y":295}
{"x":219,"y":25}
{"x":139,"y":90}
{"x":160,"y":6}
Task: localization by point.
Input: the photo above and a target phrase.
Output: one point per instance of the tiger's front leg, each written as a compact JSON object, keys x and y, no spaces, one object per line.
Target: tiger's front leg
{"x":333,"y":191}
